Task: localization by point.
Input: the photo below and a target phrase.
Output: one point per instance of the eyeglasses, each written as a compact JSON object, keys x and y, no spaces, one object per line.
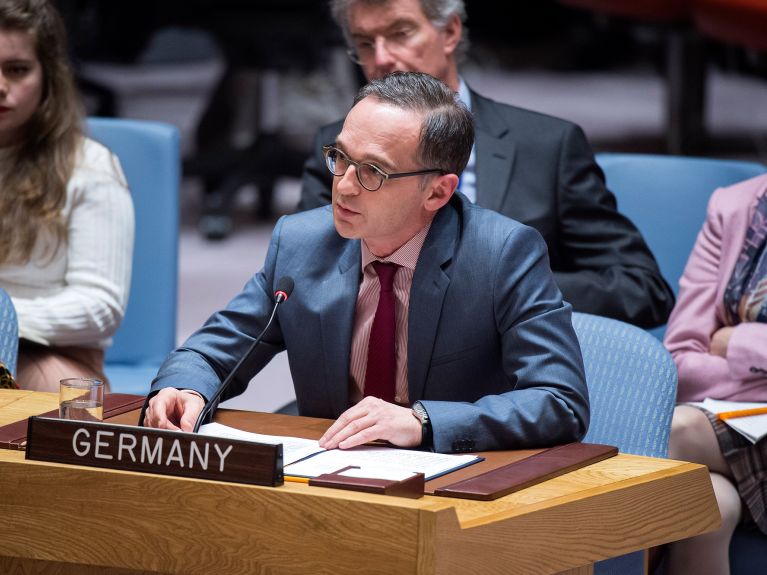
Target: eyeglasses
{"x":395,"y":42}
{"x":369,"y":176}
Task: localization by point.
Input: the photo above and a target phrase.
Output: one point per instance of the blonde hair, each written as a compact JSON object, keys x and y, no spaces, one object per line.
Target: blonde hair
{"x":34,"y":189}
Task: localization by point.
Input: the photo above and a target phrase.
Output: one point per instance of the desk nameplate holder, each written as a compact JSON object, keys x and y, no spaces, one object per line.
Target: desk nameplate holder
{"x":537,"y":468}
{"x":411,"y":487}
{"x":164,"y":452}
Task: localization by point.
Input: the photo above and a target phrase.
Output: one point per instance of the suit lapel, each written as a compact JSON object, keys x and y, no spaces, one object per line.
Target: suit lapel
{"x":339,"y":292}
{"x":495,"y":153}
{"x":430,"y":283}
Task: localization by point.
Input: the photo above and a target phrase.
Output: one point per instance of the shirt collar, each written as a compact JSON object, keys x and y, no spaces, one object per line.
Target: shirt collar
{"x":463,"y":93}
{"x":405,"y":256}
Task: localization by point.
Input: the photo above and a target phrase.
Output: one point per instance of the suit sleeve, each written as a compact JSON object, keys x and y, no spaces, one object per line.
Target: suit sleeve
{"x":547,"y":398}
{"x":608,"y":268}
{"x":212,"y":352}
{"x":695,"y":319}
{"x":316,"y":181}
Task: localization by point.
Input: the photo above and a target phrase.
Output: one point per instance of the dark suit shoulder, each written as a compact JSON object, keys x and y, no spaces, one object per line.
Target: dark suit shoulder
{"x":485,"y":223}
{"x":486,"y":110}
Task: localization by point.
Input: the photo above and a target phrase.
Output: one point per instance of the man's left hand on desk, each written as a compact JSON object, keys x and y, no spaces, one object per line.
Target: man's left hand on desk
{"x":373,"y":419}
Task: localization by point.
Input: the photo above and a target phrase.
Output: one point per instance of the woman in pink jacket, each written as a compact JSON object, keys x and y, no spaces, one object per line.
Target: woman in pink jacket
{"x":717,"y":335}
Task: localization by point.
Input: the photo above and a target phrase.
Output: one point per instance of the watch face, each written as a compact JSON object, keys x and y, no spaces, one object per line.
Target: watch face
{"x":421,"y":413}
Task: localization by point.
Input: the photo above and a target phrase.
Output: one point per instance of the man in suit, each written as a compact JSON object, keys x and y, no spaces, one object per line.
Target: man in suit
{"x":531,"y":167}
{"x":482,"y":353}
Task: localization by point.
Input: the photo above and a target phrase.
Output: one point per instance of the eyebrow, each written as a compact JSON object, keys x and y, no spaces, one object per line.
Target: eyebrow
{"x":390,"y":28}
{"x":378,"y":163}
{"x":26,"y":61}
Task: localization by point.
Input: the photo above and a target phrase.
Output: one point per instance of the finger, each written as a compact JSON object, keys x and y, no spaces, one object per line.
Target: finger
{"x":158,"y":409}
{"x":360,"y":438}
{"x":192,"y":406}
{"x":343,"y":420}
{"x":353,"y":427}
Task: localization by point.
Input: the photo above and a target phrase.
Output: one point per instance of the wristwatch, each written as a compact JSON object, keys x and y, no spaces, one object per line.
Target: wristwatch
{"x":420,"y":413}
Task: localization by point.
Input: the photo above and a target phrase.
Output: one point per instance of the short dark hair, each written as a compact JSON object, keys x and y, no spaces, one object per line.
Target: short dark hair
{"x":447,"y":131}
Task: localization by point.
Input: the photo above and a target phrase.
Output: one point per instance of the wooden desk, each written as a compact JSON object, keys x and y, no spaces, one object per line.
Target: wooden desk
{"x":61,"y":519}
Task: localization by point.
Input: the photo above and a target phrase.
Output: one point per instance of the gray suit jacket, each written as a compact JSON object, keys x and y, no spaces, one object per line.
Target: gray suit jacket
{"x":491,"y":350}
{"x":540,"y":170}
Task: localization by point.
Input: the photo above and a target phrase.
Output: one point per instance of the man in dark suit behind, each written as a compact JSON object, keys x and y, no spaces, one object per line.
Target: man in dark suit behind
{"x":534,"y":168}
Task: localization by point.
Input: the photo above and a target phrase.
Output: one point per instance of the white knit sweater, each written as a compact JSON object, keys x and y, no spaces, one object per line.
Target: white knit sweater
{"x":78,"y":296}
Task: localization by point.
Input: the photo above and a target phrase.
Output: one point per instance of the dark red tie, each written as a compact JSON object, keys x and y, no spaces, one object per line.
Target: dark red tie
{"x":381,"y":372}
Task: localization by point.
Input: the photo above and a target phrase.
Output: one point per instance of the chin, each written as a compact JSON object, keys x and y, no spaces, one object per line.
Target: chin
{"x":345,"y":231}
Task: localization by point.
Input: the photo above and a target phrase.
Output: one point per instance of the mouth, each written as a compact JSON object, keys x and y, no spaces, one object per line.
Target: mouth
{"x":4,"y":109}
{"x":344,"y":211}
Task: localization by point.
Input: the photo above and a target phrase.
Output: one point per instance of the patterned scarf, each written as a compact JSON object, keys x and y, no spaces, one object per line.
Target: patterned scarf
{"x":745,"y":298}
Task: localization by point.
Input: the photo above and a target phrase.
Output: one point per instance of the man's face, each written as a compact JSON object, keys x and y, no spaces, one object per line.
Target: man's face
{"x":386,"y":136}
{"x":397,"y":36}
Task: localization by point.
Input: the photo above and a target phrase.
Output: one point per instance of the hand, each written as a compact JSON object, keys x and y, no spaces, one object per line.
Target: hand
{"x":372,"y":419}
{"x":173,"y":409}
{"x":719,"y":341}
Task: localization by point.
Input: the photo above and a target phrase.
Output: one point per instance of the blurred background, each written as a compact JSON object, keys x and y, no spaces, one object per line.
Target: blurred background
{"x":248,"y":82}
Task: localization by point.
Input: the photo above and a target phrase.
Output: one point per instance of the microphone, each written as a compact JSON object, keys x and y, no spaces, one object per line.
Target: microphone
{"x":282,"y":293}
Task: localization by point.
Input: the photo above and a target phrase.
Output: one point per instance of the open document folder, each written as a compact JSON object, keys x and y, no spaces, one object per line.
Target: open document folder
{"x":305,"y":458}
{"x":752,"y":427}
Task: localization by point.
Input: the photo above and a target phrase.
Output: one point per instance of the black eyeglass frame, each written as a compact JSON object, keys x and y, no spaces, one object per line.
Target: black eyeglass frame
{"x":327,"y":149}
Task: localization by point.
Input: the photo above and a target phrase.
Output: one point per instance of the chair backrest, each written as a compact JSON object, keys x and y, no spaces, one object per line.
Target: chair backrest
{"x":149,"y":154}
{"x":632,"y":385}
{"x":666,"y":198}
{"x":9,"y":332}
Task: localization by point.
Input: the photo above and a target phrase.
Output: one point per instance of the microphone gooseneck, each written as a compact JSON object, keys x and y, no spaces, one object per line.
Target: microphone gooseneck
{"x":281,"y":294}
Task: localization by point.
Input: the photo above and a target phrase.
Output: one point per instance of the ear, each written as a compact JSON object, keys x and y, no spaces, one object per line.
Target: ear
{"x":441,"y":190}
{"x":452,"y":33}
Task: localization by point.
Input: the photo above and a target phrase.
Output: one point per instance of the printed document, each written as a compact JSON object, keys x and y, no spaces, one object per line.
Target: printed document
{"x":753,"y":427}
{"x":305,"y":457}
{"x":293,"y":448}
{"x":370,"y":458}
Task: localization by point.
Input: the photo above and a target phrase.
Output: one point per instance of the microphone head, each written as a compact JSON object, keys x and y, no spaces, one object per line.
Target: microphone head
{"x":284,"y":288}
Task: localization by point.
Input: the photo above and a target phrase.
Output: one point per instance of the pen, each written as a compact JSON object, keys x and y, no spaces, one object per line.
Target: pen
{"x":295,"y":479}
{"x":742,"y":413}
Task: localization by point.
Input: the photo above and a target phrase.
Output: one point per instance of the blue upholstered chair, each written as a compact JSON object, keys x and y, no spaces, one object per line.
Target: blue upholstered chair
{"x":666,"y":198}
{"x":149,"y":154}
{"x":632,"y":388}
{"x":9,"y":332}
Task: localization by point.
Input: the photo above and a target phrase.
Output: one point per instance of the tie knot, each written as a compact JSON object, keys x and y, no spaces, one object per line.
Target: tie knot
{"x":385,"y":272}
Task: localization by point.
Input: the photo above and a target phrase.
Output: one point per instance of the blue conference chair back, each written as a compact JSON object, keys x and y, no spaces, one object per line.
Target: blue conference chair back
{"x":666,"y":198}
{"x":150,"y":157}
{"x":632,"y":388}
{"x":632,"y":385}
{"x":9,"y":332}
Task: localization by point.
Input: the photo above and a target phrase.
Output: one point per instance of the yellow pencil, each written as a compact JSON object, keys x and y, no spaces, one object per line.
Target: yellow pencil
{"x":295,"y":479}
{"x":742,"y":413}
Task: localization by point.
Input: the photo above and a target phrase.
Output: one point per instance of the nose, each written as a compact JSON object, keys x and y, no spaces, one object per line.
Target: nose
{"x":383,"y":58}
{"x":348,"y":184}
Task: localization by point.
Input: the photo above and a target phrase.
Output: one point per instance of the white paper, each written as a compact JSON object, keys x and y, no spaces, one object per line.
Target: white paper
{"x":372,"y":459}
{"x":293,"y":448}
{"x":753,"y":427}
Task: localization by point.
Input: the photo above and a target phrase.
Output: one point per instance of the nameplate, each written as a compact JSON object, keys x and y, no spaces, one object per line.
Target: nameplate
{"x":147,"y":450}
